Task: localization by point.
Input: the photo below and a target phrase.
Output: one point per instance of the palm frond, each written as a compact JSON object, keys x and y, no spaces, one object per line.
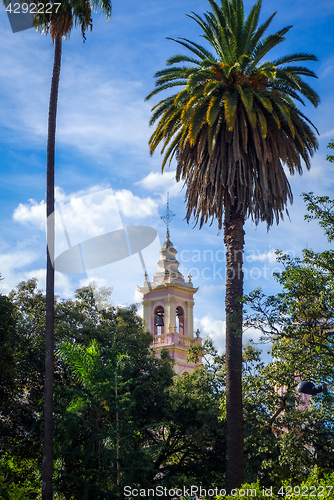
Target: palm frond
{"x":256,"y":37}
{"x":300,"y":56}
{"x":197,"y":122}
{"x":194,"y":47}
{"x":264,"y":46}
{"x":299,"y":70}
{"x":263,"y":123}
{"x":250,"y":26}
{"x":182,"y":58}
{"x":230,"y":100}
{"x":165,"y":87}
{"x":214,"y":108}
{"x":172,"y":150}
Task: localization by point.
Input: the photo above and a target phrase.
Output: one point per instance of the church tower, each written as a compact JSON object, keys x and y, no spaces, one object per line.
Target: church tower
{"x":168,"y":308}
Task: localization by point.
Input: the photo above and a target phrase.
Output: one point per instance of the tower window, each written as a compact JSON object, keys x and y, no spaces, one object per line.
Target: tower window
{"x":180,"y":320}
{"x":159,"y":328}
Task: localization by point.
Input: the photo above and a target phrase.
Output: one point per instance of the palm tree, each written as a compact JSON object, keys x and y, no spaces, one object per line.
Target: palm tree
{"x":232,"y":126}
{"x":58,"y":23}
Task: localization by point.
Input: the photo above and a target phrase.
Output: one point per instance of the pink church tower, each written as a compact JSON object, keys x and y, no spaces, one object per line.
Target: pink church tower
{"x":168,"y":308}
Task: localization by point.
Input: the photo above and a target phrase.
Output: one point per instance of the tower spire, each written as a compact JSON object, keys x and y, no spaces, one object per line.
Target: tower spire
{"x":167,"y":216}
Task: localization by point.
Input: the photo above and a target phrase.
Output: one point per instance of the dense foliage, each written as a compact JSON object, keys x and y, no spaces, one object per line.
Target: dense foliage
{"x":303,"y":313}
{"x":313,"y":487}
{"x":119,"y":416}
{"x":299,"y":322}
{"x":284,"y":438}
{"x":122,"y":418}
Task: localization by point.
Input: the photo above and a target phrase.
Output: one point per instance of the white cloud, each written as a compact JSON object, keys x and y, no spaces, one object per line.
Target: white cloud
{"x":214,"y":329}
{"x":99,"y":282}
{"x":134,"y":206}
{"x":83,"y":215}
{"x":89,"y":213}
{"x":102,"y":114}
{"x":158,"y":182}
{"x":137,"y":298}
{"x":33,"y":214}
{"x":329,"y":133}
{"x":12,"y":268}
{"x":252,"y":256}
{"x":63,"y":286}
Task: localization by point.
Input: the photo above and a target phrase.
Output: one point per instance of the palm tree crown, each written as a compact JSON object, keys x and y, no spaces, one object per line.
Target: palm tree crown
{"x":235,"y":122}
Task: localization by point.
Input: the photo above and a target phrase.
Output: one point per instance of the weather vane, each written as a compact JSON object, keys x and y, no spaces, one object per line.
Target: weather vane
{"x":167,"y":217}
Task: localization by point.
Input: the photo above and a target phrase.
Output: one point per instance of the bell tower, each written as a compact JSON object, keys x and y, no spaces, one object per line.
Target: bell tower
{"x":168,"y":307}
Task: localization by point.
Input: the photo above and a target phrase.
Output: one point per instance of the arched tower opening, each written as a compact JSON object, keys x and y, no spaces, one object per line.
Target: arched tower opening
{"x":159,"y":326}
{"x":180,"y":320}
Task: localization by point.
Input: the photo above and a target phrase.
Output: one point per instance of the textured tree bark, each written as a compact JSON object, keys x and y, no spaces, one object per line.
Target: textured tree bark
{"x":117,"y":430}
{"x":47,"y":486}
{"x":234,"y":241}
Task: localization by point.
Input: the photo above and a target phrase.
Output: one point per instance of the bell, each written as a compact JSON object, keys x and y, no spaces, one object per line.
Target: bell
{"x":310,"y":388}
{"x":160,"y":321}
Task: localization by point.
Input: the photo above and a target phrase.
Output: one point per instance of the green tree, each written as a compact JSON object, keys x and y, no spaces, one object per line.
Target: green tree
{"x":115,"y":433}
{"x":304,"y":311}
{"x":7,"y":350}
{"x":283,"y":438}
{"x":99,"y":415}
{"x":23,"y":350}
{"x":232,"y":126}
{"x":79,"y":322}
{"x":299,"y":321}
{"x":330,"y":158}
{"x":186,"y":444}
{"x":113,"y":392}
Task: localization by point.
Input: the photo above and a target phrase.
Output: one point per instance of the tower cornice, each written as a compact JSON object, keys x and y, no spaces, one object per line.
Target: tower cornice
{"x":145,"y":290}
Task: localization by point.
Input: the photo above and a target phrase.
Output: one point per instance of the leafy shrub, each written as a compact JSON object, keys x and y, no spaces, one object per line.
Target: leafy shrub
{"x":10,"y":491}
{"x":315,"y":487}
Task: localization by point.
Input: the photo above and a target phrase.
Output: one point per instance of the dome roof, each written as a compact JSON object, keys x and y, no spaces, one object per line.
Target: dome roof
{"x":168,"y":265}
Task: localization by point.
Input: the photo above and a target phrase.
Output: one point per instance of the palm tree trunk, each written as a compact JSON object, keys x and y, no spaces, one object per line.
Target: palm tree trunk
{"x":234,"y":241}
{"x":117,"y":432}
{"x":47,"y":487}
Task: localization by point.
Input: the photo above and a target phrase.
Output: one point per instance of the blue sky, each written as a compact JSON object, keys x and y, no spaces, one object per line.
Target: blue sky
{"x":105,"y":176}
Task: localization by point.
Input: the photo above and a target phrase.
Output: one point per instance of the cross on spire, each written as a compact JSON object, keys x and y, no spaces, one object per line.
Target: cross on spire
{"x":168,"y":216}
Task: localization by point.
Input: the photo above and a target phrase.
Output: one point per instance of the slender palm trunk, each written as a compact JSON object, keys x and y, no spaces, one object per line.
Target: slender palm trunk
{"x":47,"y":487}
{"x":117,"y":434}
{"x":234,"y":241}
